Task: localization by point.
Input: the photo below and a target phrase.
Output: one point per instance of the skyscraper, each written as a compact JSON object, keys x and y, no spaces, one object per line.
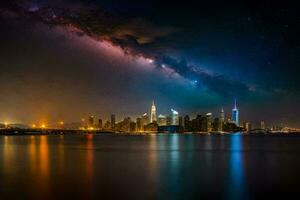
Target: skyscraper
{"x":247,"y":126}
{"x":262,"y":124}
{"x":180,"y":121}
{"x":139,"y":124}
{"x":235,"y":114}
{"x":113,"y":122}
{"x":100,"y":123}
{"x":145,"y":119}
{"x":209,"y":122}
{"x":221,"y":120}
{"x":162,"y":120}
{"x":91,"y":121}
{"x":153,"y":113}
{"x":169,"y":120}
{"x":175,"y":118}
{"x":187,"y":123}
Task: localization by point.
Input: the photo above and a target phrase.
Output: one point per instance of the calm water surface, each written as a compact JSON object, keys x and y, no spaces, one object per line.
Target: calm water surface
{"x":149,"y":167}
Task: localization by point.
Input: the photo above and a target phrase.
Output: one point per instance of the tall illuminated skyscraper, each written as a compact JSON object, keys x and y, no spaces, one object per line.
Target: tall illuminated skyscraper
{"x":235,"y":114}
{"x":145,"y":119}
{"x":208,"y":122}
{"x":175,"y":117}
{"x":222,"y":120}
{"x":153,"y":113}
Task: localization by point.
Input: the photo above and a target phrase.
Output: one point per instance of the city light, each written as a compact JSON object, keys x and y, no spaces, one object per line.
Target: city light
{"x":172,"y":122}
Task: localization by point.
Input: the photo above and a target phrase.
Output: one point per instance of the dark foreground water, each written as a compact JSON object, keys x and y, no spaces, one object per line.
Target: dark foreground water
{"x":149,"y":167}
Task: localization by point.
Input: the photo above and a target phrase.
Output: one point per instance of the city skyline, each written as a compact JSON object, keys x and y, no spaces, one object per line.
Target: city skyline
{"x":171,"y":118}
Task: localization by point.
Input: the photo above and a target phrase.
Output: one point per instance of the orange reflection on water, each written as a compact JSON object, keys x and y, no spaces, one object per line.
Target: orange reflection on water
{"x":90,"y":156}
{"x":39,"y":165}
{"x":89,"y":166}
{"x":61,"y":153}
{"x":152,"y":156}
{"x":44,"y":157}
{"x":44,"y":166}
{"x":32,"y":155}
{"x":8,"y":154}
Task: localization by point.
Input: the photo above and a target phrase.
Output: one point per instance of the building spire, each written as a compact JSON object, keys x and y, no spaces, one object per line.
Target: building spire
{"x":153,"y":112}
{"x":235,"y":114}
{"x":235,"y":106}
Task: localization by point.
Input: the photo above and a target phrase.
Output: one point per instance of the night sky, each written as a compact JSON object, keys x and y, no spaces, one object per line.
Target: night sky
{"x":67,"y":59}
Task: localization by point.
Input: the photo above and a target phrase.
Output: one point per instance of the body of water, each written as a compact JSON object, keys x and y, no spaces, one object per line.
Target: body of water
{"x":159,"y":166}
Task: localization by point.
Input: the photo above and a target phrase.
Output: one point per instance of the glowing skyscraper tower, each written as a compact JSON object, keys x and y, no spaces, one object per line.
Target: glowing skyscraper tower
{"x":175,"y":117}
{"x":153,"y":113}
{"x":235,"y":114}
{"x":222,"y":120}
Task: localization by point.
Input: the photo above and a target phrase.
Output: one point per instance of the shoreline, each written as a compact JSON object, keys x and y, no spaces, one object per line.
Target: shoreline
{"x":30,"y":132}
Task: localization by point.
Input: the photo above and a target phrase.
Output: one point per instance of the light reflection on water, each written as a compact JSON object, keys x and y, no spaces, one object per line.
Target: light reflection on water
{"x":90,"y":156}
{"x":237,"y":179}
{"x":160,"y":166}
{"x":174,"y":152}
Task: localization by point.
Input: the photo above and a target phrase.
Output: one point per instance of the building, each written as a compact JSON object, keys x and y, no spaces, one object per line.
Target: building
{"x":180,"y":122}
{"x":100,"y":123}
{"x":132,"y":127}
{"x":262,"y":125}
{"x":162,"y":120}
{"x":107,"y":125}
{"x":196,"y":124}
{"x":91,"y":122}
{"x":187,"y":123}
{"x":113,"y":122}
{"x":175,"y":117}
{"x":203,"y":126}
{"x":231,"y":127}
{"x":221,"y":120}
{"x":83,"y":123}
{"x":216,"y":124}
{"x":145,"y":120}
{"x":153,"y":113}
{"x":209,"y":122}
{"x":247,"y":126}
{"x":152,"y":127}
{"x":235,"y":114}
{"x":124,"y":126}
{"x":139,"y":124}
{"x":169,"y":120}
{"x":277,"y":127}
